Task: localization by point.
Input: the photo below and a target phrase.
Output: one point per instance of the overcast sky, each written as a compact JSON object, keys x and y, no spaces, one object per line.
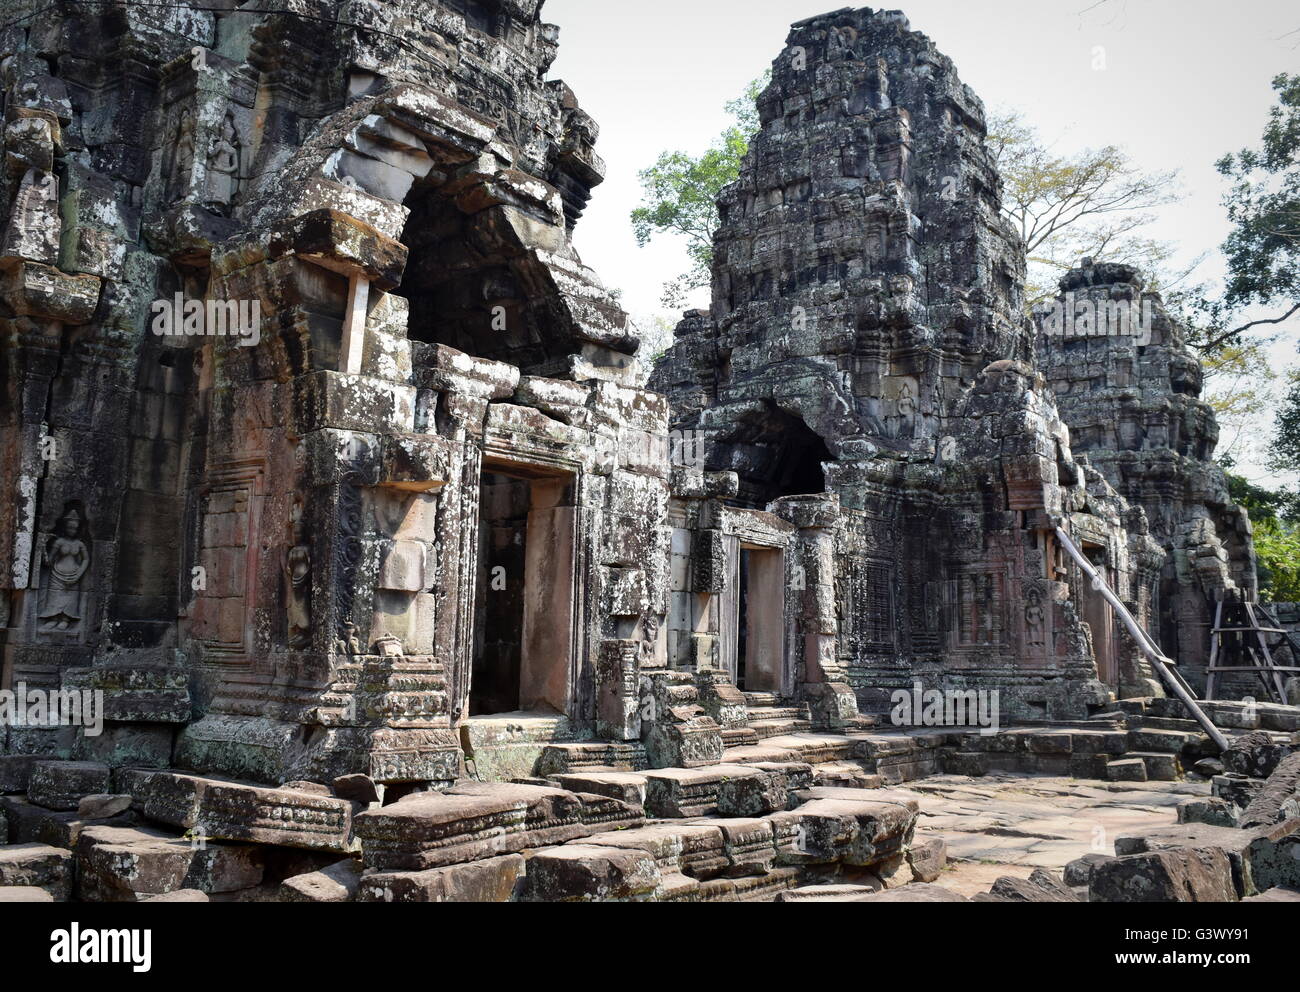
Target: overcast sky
{"x":1184,"y":82}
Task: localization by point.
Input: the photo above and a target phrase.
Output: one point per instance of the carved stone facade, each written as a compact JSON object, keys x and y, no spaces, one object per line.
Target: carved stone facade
{"x":867,"y":339}
{"x":329,"y":457}
{"x":288,"y":307}
{"x":1131,"y":395}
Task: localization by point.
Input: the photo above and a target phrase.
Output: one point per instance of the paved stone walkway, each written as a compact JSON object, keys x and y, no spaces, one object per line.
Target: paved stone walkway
{"x":1011,"y":824}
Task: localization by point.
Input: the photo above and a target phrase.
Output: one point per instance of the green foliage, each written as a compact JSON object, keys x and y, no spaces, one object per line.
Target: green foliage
{"x":680,"y":193}
{"x":1275,"y":515}
{"x":1263,"y":251}
{"x":1278,"y":505}
{"x":1277,"y":550}
{"x":1264,"y":205}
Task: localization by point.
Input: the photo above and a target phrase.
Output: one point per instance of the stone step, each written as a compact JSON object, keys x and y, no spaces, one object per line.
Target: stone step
{"x":739,"y":737}
{"x":561,"y":759}
{"x":763,"y":729}
{"x":815,"y":749}
{"x":845,"y":775}
{"x":761,"y":698}
{"x":1166,"y":741}
{"x":1170,"y":723}
{"x":1161,"y":766}
{"x":774,"y":713}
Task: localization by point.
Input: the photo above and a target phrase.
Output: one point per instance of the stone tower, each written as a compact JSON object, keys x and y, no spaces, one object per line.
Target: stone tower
{"x":867,"y":340}
{"x":1129,"y":387}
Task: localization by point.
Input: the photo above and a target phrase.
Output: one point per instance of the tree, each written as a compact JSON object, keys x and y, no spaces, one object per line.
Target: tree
{"x":1089,"y":205}
{"x":1276,"y":518}
{"x":1240,"y":382}
{"x":1263,"y":250}
{"x":680,"y":193}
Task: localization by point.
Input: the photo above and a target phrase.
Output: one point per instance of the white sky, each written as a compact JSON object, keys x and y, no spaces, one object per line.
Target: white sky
{"x":1185,"y":81}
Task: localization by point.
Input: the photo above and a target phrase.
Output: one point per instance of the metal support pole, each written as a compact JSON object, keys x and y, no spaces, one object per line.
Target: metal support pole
{"x":1158,"y":660}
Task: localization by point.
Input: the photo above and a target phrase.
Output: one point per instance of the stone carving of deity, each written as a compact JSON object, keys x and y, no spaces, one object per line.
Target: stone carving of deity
{"x":223,"y":168}
{"x":183,"y":156}
{"x":1035,"y":617}
{"x":34,"y":220}
{"x":297,"y":570}
{"x":66,"y":559}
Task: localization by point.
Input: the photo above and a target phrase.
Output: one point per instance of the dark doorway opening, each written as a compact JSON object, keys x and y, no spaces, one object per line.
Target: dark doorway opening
{"x":499,"y":607}
{"x":760,"y":621}
{"x":777,"y":455}
{"x":523,"y":615}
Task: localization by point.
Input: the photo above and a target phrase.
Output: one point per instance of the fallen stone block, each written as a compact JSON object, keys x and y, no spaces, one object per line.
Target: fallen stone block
{"x":60,"y":785}
{"x":753,"y":795}
{"x":583,"y":873}
{"x":1273,"y":857}
{"x":102,"y":807}
{"x":627,"y":787}
{"x":1160,"y":766}
{"x":749,"y":845}
{"x":553,"y":816}
{"x":860,"y":833}
{"x":1079,"y":871}
{"x":1233,"y":842}
{"x":1279,"y":799}
{"x":928,"y":858}
{"x":1211,"y":810}
{"x":680,"y":793}
{"x":126,"y":864}
{"x":15,"y":771}
{"x":493,"y":880}
{"x":32,"y":824}
{"x":357,"y":789}
{"x":760,"y":888}
{"x":1041,"y":886}
{"x":431,"y":830}
{"x":37,"y":866}
{"x":337,"y":883}
{"x":1127,"y":770}
{"x":221,"y":809}
{"x":1237,"y":790}
{"x":600,"y":813}
{"x":1182,"y":875}
{"x":1254,"y":755}
{"x":662,"y":841}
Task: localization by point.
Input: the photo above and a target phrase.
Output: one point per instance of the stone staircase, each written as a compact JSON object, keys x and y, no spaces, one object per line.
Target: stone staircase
{"x":767,"y":718}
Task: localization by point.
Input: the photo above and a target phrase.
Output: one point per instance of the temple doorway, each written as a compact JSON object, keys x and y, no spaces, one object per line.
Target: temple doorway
{"x":523,"y":616}
{"x":1098,"y":615}
{"x":755,"y":613}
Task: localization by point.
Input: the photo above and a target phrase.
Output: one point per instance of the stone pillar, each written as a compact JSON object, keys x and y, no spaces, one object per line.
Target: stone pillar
{"x":822,"y":681}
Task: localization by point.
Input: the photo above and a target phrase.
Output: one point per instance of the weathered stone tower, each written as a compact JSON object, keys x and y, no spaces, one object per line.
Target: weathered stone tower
{"x":867,"y":339}
{"x":1133,"y":404}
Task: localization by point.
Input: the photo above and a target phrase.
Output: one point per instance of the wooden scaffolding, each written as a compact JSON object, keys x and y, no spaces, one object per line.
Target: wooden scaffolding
{"x":1244,"y":640}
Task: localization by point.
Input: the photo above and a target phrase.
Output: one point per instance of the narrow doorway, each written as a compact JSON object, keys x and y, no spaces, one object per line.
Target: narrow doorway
{"x":760,"y":625}
{"x":523,"y":615}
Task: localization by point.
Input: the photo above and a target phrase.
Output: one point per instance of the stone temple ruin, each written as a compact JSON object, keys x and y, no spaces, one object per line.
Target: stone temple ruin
{"x":336,"y":476}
